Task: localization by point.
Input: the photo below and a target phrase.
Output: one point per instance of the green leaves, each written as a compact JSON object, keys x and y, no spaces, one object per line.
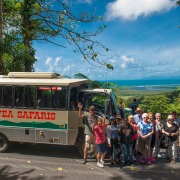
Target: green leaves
{"x":80,"y":76}
{"x":30,"y":20}
{"x":109,"y":66}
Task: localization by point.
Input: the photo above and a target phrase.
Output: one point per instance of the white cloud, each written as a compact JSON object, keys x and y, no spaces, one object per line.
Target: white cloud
{"x":126,"y":61}
{"x":112,"y":61}
{"x":132,"y":9}
{"x":48,"y":61}
{"x":57,"y":60}
{"x":85,"y":1}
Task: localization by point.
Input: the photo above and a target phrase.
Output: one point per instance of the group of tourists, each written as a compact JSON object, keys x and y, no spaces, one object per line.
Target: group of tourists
{"x":141,"y":133}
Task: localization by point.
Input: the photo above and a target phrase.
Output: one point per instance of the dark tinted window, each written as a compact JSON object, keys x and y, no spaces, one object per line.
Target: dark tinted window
{"x":6,"y":96}
{"x":51,"y":97}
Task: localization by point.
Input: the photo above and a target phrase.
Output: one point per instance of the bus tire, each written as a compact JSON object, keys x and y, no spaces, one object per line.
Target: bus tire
{"x":4,"y":143}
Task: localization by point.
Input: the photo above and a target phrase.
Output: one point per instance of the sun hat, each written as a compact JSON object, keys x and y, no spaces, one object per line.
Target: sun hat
{"x":170,"y":117}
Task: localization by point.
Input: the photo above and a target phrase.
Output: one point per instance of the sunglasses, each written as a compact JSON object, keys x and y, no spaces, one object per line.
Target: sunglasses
{"x":92,"y":109}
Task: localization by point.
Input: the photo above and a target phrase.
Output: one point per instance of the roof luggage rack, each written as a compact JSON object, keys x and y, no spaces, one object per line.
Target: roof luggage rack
{"x":40,"y":75}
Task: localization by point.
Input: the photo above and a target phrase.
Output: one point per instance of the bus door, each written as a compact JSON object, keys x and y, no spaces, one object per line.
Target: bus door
{"x":101,"y":101}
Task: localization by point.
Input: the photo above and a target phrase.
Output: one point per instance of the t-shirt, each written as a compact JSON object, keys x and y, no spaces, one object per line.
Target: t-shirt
{"x":112,"y":132}
{"x":127,"y":134}
{"x":91,"y":121}
{"x":145,"y":128}
{"x":174,"y":128}
{"x":99,"y":134}
{"x":137,"y":118}
{"x":134,"y":107}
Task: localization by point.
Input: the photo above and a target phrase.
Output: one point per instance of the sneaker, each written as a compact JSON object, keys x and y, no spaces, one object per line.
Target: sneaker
{"x":100,"y":165}
{"x":173,"y":161}
{"x":152,"y":159}
{"x":134,"y":159}
{"x":159,"y":156}
{"x":84,"y":161}
{"x":142,"y":161}
{"x":148,"y":162}
{"x":102,"y":162}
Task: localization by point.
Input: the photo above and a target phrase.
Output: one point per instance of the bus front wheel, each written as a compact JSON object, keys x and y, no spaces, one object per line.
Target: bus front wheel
{"x":4,"y":143}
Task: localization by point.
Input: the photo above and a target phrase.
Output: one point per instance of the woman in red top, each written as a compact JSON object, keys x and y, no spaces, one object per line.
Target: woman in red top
{"x":135,"y":136}
{"x":99,"y":132}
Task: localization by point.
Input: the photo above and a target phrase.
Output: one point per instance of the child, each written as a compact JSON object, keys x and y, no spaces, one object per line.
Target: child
{"x":99,"y":132}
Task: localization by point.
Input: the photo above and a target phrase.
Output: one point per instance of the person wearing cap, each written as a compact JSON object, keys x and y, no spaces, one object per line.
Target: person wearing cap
{"x":172,"y":131}
{"x":112,"y":137}
{"x":145,"y":131}
{"x":138,"y":116}
{"x":89,"y":121}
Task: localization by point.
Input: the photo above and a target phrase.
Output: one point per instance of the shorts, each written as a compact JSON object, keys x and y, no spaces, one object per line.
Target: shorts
{"x":89,"y":139}
{"x":101,"y":148}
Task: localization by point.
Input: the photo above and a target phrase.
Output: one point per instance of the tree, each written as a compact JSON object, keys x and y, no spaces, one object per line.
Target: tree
{"x":46,"y":20}
{"x":157,"y":103}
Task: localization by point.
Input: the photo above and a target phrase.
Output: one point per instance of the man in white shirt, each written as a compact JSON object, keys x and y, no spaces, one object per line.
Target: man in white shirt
{"x":138,"y":116}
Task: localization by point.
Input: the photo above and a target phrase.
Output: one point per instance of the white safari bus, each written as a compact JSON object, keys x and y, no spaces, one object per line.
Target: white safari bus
{"x":38,"y":107}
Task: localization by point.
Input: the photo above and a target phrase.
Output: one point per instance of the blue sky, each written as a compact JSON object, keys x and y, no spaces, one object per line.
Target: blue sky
{"x":143,"y":37}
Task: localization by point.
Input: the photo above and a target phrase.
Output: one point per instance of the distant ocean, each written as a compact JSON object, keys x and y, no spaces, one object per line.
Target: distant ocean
{"x":149,"y":84}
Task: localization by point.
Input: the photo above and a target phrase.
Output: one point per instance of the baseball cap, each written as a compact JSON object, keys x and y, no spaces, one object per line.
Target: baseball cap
{"x":92,"y":108}
{"x":112,"y":117}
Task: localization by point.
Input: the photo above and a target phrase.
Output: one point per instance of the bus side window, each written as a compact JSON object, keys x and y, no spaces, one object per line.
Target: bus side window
{"x":29,"y":96}
{"x":73,"y":98}
{"x":19,"y":96}
{"x":7,"y":96}
{"x":39,"y":99}
{"x":1,"y":96}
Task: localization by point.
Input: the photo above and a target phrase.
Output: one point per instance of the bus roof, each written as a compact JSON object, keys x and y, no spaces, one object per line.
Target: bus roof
{"x":43,"y":82}
{"x":38,"y":75}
